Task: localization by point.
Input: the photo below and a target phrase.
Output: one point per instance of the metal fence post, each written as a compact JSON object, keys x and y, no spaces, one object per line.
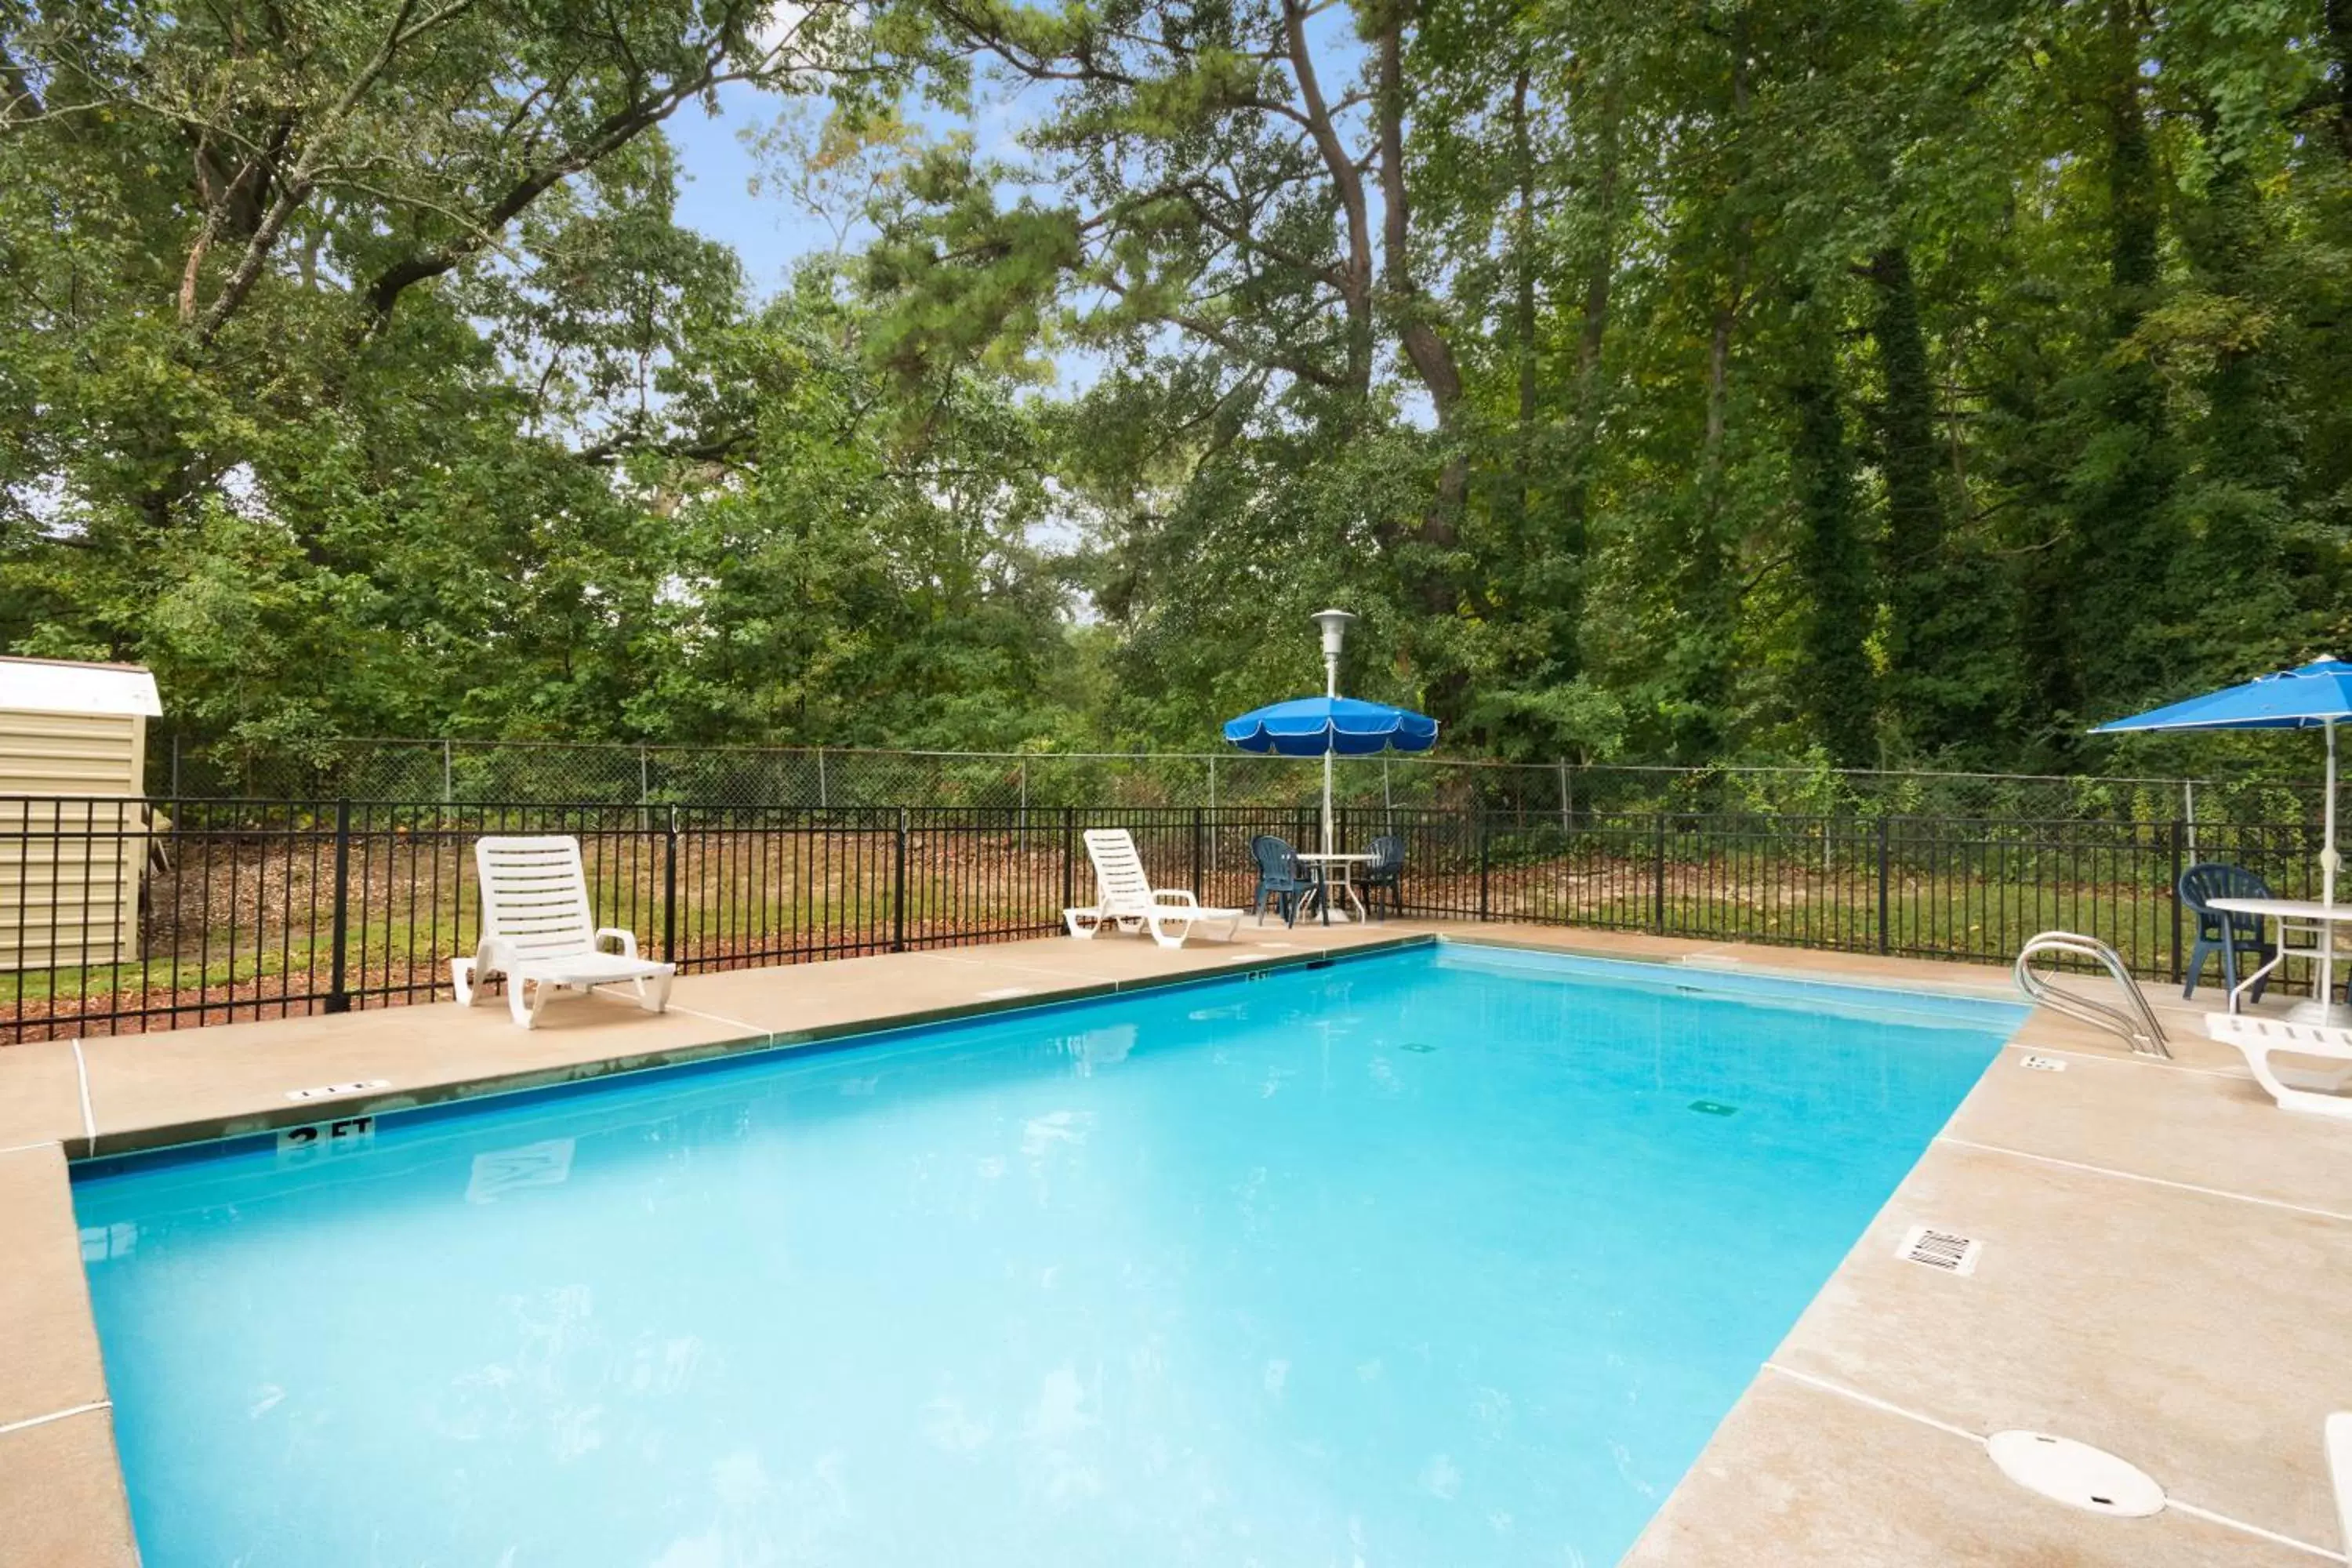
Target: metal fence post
{"x":1198,"y":822}
{"x":1478,"y":829}
{"x":176,"y":766}
{"x":2179,"y":834}
{"x":339,"y":1000}
{"x":1885,"y":936}
{"x":1658,"y":873}
{"x":898,"y":888}
{"x":669,"y":888}
{"x":446,"y":793}
{"x":1069,"y":866}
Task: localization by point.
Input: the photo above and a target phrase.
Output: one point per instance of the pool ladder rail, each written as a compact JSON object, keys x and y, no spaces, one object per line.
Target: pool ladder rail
{"x":2137,"y":1024}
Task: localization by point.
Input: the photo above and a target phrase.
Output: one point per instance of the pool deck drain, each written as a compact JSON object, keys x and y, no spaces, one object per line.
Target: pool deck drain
{"x":2163,"y":1252}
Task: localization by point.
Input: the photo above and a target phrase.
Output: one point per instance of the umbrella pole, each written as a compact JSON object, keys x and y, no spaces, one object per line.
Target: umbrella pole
{"x":2327,"y":859}
{"x":1332,"y":742}
{"x":1327,"y":803}
{"x":2327,"y":856}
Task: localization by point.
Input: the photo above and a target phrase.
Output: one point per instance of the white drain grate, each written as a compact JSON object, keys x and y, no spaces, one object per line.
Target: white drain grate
{"x":1943,"y":1249}
{"x":2041,"y":1064}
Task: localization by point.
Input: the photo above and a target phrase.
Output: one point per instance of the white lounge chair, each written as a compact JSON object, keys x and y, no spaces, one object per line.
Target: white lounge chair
{"x":1125,"y":898}
{"x":2295,"y":1089}
{"x":537,"y":932}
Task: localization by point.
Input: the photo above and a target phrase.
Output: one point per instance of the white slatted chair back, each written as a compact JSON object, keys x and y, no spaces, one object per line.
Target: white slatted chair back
{"x":535,"y":896}
{"x":1120,"y":885}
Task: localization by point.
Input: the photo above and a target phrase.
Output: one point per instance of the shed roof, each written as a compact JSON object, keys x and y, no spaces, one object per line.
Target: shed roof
{"x":63,"y":686}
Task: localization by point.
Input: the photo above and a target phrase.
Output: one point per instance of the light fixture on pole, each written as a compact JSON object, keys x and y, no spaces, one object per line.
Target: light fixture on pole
{"x":1335,"y":635}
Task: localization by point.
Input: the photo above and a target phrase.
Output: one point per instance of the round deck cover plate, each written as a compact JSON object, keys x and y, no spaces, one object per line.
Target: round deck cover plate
{"x":2076,"y":1474}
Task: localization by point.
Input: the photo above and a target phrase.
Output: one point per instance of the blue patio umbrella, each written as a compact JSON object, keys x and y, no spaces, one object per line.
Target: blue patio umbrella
{"x":1331,"y":725}
{"x":1314,"y":726}
{"x":2316,"y":696}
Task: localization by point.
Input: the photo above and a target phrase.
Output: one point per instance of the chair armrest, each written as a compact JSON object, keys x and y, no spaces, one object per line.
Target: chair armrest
{"x":627,"y":939}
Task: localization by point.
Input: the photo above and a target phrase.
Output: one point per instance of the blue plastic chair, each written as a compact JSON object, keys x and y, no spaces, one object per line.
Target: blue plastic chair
{"x":1384,"y":872}
{"x":1280,"y":877}
{"x":2220,"y":931}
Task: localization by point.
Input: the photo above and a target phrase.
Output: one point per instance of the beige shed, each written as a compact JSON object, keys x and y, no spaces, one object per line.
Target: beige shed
{"x":73,"y":820}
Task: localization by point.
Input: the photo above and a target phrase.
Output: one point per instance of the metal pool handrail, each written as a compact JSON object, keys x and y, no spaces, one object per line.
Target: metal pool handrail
{"x":2138,"y":1026}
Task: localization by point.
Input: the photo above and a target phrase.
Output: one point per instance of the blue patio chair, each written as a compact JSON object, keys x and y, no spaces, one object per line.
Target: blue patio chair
{"x":1280,"y":877}
{"x":2218,"y":932}
{"x":1384,"y":872}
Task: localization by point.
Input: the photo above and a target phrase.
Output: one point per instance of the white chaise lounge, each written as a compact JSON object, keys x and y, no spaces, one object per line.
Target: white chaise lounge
{"x":537,"y":932}
{"x":1125,"y":898}
{"x":2295,"y":1089}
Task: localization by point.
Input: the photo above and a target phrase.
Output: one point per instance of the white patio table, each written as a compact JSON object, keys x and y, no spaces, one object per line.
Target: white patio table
{"x":1338,"y":868}
{"x":2299,"y":916}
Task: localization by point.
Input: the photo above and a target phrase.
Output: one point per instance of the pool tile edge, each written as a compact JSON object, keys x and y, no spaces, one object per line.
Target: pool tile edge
{"x":1701,"y":959}
{"x":145,"y":1137}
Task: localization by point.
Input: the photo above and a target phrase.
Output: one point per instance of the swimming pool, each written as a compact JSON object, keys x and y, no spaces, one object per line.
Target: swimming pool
{"x":1455,"y":1254}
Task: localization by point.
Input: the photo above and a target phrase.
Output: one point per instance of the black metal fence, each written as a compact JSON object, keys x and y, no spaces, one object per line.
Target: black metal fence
{"x":122,"y":915}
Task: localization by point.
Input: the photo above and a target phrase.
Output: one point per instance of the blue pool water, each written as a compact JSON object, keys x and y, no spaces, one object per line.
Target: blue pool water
{"x":1449,"y":1256}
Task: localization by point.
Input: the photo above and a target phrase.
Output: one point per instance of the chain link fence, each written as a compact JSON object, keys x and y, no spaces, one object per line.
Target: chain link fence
{"x":457,"y":772}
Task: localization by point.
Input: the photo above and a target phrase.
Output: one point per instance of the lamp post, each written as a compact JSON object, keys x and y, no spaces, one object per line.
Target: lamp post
{"x":1335,"y":635}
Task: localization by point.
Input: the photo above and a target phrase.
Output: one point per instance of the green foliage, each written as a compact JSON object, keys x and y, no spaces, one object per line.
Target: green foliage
{"x":364,"y":383}
{"x":1707,"y":382}
{"x":2042,"y":443}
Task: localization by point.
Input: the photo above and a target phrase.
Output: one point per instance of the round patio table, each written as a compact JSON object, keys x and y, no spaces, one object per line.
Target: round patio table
{"x":1335,"y":868}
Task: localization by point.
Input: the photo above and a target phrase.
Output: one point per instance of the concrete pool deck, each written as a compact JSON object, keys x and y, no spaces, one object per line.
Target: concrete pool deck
{"x":2165,"y":1255}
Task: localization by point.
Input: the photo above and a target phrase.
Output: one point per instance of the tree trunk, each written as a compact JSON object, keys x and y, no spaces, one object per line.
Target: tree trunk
{"x":1565,"y":559}
{"x":1523,"y":313}
{"x":2125,"y":543}
{"x":1915,"y":544}
{"x":1707,"y":596}
{"x":1347,"y":188}
{"x":2338,"y":25}
{"x":1835,"y":679}
{"x":1425,"y":348}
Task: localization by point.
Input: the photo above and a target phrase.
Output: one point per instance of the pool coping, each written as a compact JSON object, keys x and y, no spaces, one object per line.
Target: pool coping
{"x":62,"y":1498}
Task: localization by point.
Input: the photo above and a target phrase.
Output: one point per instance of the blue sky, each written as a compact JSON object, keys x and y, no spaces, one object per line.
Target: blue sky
{"x":771,"y":231}
{"x":767,"y":232}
